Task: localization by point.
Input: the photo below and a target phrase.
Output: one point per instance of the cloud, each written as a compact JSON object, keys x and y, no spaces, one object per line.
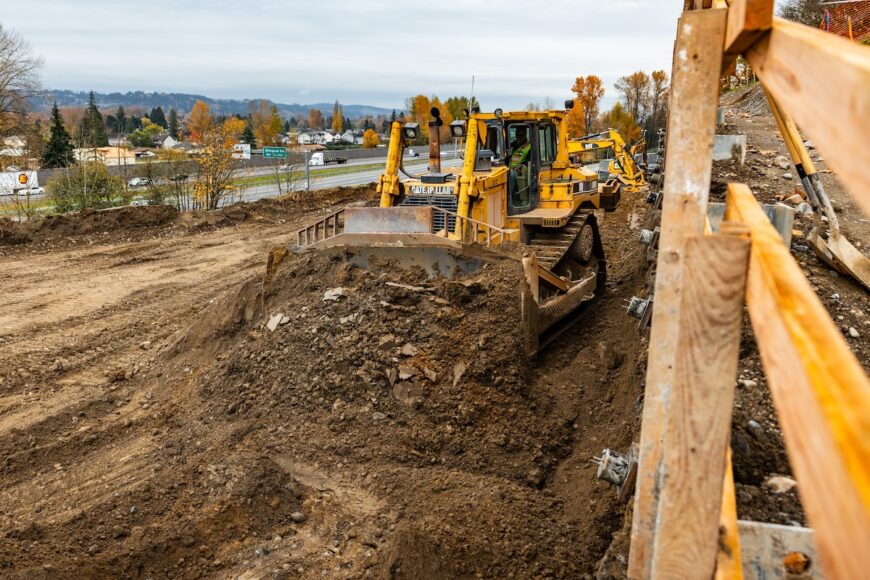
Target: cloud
{"x":377,"y":52}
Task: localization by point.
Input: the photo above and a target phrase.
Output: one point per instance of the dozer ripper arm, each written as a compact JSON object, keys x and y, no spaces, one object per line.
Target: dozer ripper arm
{"x":629,"y":172}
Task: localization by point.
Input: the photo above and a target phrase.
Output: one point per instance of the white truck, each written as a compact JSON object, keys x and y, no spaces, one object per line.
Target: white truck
{"x":318,"y":158}
{"x":17,"y":182}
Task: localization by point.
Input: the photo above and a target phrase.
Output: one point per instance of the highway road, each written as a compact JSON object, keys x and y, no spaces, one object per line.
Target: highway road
{"x":343,"y":180}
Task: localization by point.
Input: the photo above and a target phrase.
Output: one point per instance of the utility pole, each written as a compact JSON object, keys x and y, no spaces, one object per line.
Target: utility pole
{"x":307,"y":172}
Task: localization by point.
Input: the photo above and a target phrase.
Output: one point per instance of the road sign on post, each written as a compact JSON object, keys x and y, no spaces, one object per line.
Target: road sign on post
{"x":275,"y":152}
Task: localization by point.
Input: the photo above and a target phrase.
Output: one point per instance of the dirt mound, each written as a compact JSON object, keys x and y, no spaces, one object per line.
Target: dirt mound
{"x":749,"y":101}
{"x":86,"y":223}
{"x":131,"y":223}
{"x":426,"y":379}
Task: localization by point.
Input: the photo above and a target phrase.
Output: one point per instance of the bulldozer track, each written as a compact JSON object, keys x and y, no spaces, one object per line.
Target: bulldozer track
{"x":551,"y":246}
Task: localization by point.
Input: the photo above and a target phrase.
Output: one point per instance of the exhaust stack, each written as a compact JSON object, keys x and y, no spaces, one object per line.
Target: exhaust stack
{"x":435,"y":140}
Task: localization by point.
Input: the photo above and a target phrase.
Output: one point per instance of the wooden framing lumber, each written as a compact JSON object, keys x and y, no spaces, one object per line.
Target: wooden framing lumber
{"x":822,"y":81}
{"x":820,"y":392}
{"x":698,"y":418}
{"x":729,"y":564}
{"x":748,"y":20}
{"x":691,"y":129}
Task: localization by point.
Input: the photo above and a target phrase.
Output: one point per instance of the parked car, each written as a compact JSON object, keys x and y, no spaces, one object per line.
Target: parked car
{"x":31,"y":191}
{"x":141,"y":202}
{"x":139,"y":182}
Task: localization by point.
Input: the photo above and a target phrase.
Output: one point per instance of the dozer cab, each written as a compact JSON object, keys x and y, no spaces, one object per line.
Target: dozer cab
{"x":515,"y":196}
{"x":624,"y":164}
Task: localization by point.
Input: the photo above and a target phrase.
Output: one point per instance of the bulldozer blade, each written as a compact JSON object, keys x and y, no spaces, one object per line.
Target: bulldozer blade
{"x":841,"y":255}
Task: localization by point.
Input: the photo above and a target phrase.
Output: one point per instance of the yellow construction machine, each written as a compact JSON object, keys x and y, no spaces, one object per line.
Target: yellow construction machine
{"x":623,"y":165}
{"x":515,"y":196}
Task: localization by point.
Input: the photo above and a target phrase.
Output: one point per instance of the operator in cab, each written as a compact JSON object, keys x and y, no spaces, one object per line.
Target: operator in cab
{"x":521,"y":151}
{"x":520,"y":148}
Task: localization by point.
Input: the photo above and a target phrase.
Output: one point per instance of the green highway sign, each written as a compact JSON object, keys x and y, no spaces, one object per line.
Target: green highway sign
{"x":275,"y":152}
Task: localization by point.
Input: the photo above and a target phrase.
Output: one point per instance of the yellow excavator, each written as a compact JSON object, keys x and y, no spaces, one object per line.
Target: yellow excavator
{"x":516,"y":196}
{"x":622,"y":166}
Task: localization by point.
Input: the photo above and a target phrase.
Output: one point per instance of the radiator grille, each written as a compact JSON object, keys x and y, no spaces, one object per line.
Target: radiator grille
{"x":448,"y":202}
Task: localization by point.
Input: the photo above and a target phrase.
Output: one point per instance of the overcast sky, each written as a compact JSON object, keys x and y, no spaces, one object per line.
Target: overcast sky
{"x":374,"y":52}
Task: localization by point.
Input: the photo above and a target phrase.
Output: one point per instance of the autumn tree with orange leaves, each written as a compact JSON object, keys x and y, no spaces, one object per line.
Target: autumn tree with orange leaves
{"x":200,"y":122}
{"x":315,"y":118}
{"x":589,"y":91}
{"x":266,"y":122}
{"x":216,"y":164}
{"x":370,"y":139}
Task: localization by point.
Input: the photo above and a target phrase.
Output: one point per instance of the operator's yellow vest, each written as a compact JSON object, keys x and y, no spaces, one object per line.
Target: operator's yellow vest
{"x":520,"y":155}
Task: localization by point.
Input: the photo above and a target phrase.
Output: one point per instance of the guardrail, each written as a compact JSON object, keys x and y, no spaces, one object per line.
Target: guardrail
{"x":319,"y":230}
{"x":477,"y":231}
{"x":684,"y":522}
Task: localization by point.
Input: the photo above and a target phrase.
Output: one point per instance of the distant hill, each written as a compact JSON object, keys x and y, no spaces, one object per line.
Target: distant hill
{"x":183,"y":103}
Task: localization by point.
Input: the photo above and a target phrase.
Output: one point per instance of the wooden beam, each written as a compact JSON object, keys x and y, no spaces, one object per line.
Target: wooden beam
{"x":729,"y":561}
{"x":822,"y":80}
{"x":699,"y":411}
{"x":691,"y":129}
{"x":820,"y":391}
{"x":747,"y":21}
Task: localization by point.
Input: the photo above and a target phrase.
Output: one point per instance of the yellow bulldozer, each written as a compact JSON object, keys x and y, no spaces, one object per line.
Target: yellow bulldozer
{"x":516,"y":195}
{"x":623,"y":165}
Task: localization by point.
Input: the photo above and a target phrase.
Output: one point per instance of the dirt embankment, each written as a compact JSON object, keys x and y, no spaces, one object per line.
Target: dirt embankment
{"x":127,"y":224}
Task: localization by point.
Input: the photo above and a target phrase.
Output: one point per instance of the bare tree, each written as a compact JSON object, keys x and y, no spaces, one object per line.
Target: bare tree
{"x":287,"y":173}
{"x":19,"y":81}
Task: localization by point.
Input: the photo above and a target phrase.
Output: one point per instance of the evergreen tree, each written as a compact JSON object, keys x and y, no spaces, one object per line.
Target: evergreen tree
{"x":173,"y":124}
{"x":59,"y":149}
{"x":120,"y":121}
{"x":293,"y":122}
{"x":93,"y":128}
{"x":286,"y":126}
{"x":248,"y":135}
{"x":157,"y":117}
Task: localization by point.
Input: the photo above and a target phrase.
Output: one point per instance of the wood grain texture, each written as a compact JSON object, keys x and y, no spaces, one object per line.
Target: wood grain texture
{"x":820,"y":392}
{"x":691,"y":129}
{"x":822,"y":80}
{"x":747,"y":21}
{"x":699,"y":413}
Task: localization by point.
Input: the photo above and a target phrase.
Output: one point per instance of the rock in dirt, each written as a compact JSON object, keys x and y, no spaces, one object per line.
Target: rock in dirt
{"x":274,"y":321}
{"x":333,"y":294}
{"x":787,"y":175}
{"x":297,"y":517}
{"x":406,"y":372}
{"x":854,"y":333}
{"x":782,"y":162}
{"x":410,"y":350}
{"x":458,"y":371}
{"x":780,"y":484}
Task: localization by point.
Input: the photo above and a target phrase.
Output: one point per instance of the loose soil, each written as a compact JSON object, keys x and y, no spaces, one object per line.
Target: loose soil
{"x":153,"y":426}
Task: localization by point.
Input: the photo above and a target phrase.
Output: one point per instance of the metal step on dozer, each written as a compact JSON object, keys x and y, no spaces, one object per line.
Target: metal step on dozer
{"x":836,"y":250}
{"x":517,"y":196}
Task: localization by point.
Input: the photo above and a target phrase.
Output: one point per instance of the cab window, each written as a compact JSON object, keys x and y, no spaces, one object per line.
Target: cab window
{"x":546,"y":144}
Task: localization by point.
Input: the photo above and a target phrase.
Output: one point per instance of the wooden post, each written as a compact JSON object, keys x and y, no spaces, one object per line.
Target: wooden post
{"x":691,"y":128}
{"x":699,"y":409}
